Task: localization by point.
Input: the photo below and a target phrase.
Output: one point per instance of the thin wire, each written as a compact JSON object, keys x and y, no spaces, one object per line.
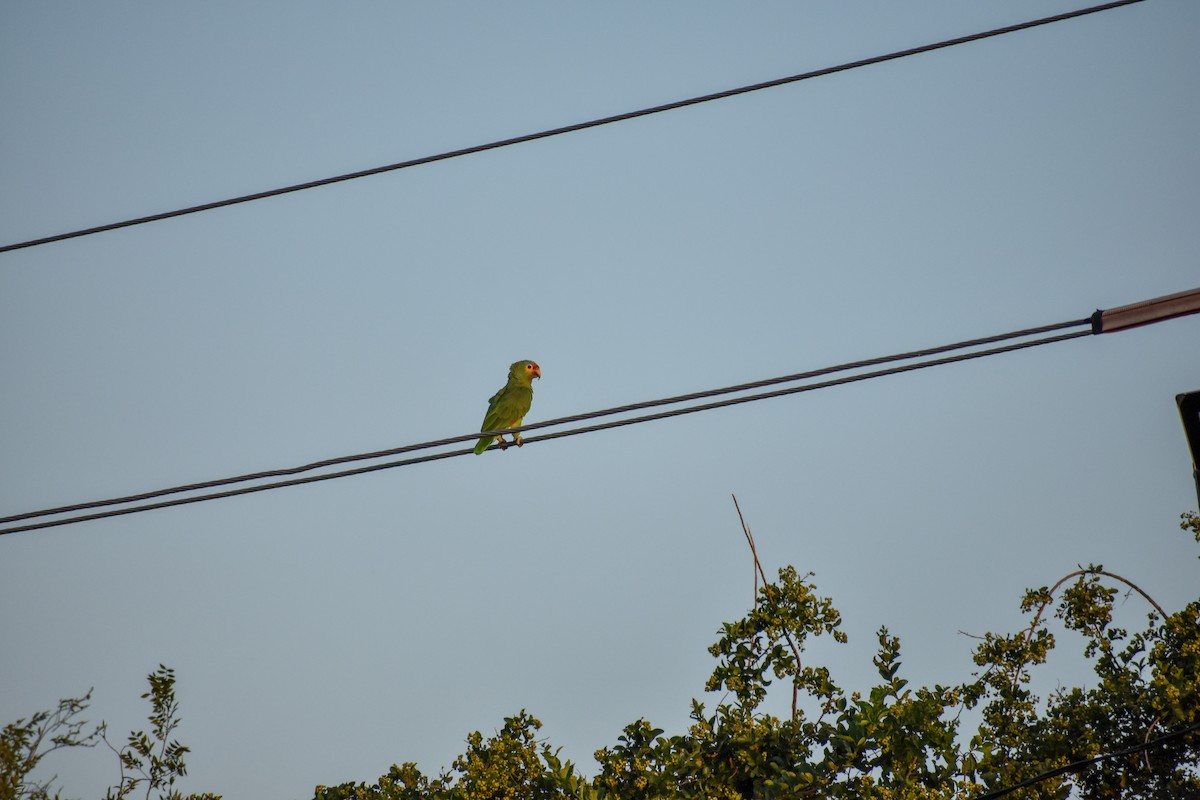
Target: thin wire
{"x":1078,"y":765}
{"x":577,"y":126}
{"x":329,"y":462}
{"x":557,"y":434}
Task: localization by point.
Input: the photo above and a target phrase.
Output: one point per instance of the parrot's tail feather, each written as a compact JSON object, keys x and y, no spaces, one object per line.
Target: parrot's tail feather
{"x":483,"y":444}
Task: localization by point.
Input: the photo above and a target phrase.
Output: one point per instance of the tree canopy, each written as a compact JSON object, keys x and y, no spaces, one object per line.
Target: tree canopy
{"x":1139,"y":724}
{"x":1132,"y":733}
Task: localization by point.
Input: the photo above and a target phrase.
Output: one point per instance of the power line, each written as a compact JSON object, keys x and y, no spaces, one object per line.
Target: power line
{"x":575,"y":127}
{"x":1078,"y":765}
{"x":1145,"y":312}
{"x":909,"y":367}
{"x":330,"y":462}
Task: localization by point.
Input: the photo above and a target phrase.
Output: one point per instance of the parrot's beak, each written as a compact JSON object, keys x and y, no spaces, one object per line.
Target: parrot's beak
{"x":537,"y":372}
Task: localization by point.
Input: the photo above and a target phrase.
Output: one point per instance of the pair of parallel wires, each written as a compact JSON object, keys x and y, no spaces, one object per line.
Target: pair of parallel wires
{"x":1136,"y":314}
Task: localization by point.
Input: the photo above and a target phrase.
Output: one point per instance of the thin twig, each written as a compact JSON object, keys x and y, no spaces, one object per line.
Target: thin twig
{"x":1146,"y":739}
{"x":753,"y":550}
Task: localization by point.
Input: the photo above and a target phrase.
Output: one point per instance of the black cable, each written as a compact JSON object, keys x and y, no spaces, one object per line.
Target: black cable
{"x":329,"y":462}
{"x":1078,"y":765}
{"x":575,"y":127}
{"x":558,"y":434}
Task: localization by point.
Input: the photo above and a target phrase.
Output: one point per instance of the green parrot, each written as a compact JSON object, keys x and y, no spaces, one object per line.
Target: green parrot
{"x":508,"y":407}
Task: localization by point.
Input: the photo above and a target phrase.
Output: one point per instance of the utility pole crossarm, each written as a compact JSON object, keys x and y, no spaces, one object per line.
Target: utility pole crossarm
{"x":1147,"y":311}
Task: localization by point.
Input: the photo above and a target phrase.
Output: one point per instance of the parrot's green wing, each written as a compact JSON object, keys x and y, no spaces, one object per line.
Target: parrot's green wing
{"x":490,"y":416}
{"x":506,"y":409}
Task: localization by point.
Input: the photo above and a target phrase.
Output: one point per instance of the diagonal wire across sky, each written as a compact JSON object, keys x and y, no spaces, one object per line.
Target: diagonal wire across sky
{"x":579,"y":126}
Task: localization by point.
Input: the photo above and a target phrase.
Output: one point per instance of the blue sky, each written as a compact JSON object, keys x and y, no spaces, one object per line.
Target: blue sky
{"x":321,"y":633}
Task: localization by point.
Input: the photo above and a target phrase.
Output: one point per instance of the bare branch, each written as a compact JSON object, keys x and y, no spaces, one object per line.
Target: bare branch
{"x":760,"y":573}
{"x":1050,"y":597}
